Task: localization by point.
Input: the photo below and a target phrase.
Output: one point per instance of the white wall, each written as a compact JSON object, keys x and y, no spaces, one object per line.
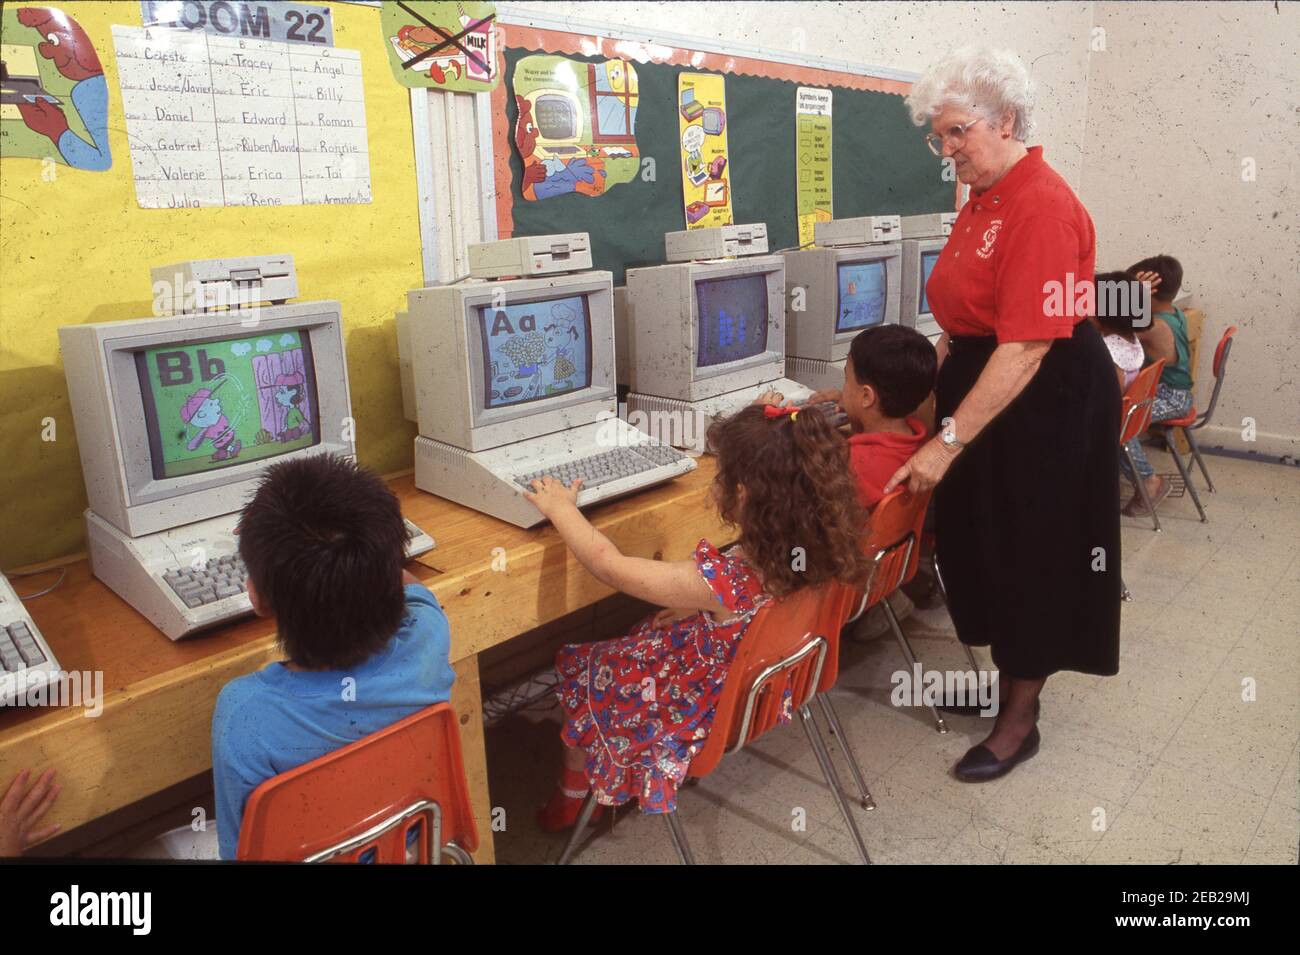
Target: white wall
{"x":1151,"y":132}
{"x":1182,"y":94}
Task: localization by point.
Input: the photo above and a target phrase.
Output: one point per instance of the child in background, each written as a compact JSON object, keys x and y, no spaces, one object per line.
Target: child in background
{"x":367,"y":645}
{"x":1166,"y":338}
{"x":1115,"y":315}
{"x":891,"y":369}
{"x":638,"y":708}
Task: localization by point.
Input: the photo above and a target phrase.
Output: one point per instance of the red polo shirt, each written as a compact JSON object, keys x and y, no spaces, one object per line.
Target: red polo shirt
{"x":874,"y":456}
{"x":1008,"y":242}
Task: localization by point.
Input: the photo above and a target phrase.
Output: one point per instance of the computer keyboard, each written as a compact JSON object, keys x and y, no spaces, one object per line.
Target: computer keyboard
{"x":25,"y":657}
{"x":597,"y":469}
{"x":210,"y":582}
{"x":611,"y":456}
{"x":188,"y":578}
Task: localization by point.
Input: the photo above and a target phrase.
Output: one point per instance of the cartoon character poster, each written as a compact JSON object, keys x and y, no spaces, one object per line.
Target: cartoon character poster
{"x":535,"y":350}
{"x":702,"y":121}
{"x":221,"y":403}
{"x":576,"y":129}
{"x":53,"y":96}
{"x":445,"y":46}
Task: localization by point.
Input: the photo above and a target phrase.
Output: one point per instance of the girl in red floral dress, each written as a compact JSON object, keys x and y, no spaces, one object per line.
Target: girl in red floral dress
{"x":638,"y":708}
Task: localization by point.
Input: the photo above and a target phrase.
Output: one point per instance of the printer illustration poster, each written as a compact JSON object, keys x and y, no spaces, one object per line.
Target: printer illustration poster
{"x":444,"y":46}
{"x":702,"y":120}
{"x":53,"y":97}
{"x":812,"y":159}
{"x":226,"y":402}
{"x":576,"y":130}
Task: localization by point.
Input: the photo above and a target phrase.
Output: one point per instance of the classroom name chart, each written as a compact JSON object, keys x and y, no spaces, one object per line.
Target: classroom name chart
{"x":224,"y":121}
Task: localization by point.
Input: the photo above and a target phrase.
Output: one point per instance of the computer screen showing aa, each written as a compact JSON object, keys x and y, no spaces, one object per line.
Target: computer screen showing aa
{"x":227,"y":402}
{"x":534,"y":350}
{"x":732,"y":319}
{"x":927,"y":266}
{"x":862,"y":295}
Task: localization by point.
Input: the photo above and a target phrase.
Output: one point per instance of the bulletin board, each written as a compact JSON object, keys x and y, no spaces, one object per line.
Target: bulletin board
{"x":881,"y":164}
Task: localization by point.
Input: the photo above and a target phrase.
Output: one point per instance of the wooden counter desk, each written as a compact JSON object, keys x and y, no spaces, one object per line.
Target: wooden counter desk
{"x":494,"y":580}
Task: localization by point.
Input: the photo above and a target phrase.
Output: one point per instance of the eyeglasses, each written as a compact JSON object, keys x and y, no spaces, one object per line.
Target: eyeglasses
{"x":956,"y":135}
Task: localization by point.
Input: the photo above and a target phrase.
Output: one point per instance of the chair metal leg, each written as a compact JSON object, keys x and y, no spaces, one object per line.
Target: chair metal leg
{"x":1196,"y":453}
{"x":833,"y":721}
{"x":906,"y":647}
{"x":1182,"y":469}
{"x":579,"y":827}
{"x":943,"y":591}
{"x":679,"y":838}
{"x":1141,"y":486}
{"x":832,"y":779}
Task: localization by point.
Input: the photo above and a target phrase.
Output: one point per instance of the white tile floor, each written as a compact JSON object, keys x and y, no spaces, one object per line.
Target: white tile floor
{"x":1164,"y":763}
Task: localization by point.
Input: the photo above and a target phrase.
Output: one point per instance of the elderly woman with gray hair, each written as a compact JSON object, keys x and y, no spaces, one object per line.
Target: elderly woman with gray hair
{"x":1026,"y":499}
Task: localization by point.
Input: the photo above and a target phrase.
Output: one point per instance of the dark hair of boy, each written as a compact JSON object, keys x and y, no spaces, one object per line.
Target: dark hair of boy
{"x":324,"y":543}
{"x":785,"y":482}
{"x":899,"y":363}
{"x":1120,"y":300}
{"x":1170,"y":271}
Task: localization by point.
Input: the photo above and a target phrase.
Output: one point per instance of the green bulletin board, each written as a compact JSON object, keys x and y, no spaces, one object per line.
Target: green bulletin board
{"x":881,"y":166}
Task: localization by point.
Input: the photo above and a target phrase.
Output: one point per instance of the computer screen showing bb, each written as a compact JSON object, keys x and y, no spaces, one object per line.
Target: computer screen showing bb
{"x":862,"y":295}
{"x":233,"y":401}
{"x":732,"y":319}
{"x":535,"y":350}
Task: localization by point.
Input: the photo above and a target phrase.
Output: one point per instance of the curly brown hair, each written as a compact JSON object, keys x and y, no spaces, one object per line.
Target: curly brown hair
{"x":786,"y":483}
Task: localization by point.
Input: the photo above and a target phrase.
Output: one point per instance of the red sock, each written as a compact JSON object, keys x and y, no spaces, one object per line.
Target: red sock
{"x":566,"y":802}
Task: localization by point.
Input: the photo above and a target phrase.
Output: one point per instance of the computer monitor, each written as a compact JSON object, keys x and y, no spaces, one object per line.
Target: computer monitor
{"x":493,"y":363}
{"x":702,"y":329}
{"x":834,"y":293}
{"x":178,"y":417}
{"x":919,"y":257}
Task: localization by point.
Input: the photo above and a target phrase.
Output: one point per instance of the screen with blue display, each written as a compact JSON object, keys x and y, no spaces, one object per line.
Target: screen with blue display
{"x":535,"y":350}
{"x":733,"y":319}
{"x":927,"y":266}
{"x":862,"y":295}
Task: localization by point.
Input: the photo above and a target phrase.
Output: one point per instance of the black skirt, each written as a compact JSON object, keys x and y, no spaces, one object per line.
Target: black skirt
{"x":1027,"y":517}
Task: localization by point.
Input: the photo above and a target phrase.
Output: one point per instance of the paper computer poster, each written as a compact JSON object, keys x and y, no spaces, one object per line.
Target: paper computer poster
{"x":702,"y":121}
{"x":576,"y":128}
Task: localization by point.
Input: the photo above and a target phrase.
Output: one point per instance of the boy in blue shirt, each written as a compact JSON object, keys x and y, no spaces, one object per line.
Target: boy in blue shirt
{"x":366,"y":644}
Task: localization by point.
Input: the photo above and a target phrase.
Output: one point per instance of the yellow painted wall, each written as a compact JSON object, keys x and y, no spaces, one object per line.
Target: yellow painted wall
{"x":79,"y":249}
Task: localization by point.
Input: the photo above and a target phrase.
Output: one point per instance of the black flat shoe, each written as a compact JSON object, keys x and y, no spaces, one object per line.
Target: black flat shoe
{"x":979,"y":765}
{"x":971,"y":709}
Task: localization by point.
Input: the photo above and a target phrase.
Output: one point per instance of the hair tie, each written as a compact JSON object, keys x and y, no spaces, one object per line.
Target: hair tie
{"x":778,"y":411}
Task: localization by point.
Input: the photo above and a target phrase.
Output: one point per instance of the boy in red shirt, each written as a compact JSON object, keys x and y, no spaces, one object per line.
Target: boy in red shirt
{"x":890,"y":371}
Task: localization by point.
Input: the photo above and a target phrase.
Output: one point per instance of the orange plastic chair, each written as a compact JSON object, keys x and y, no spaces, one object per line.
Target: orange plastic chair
{"x":395,"y":796}
{"x":790,"y":647}
{"x":894,"y":544}
{"x":1135,"y":417}
{"x":1191,"y":422}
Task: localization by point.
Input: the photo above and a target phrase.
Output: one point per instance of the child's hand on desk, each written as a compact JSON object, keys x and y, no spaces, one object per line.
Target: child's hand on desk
{"x":770,"y":398}
{"x":22,"y":808}
{"x":551,"y":497}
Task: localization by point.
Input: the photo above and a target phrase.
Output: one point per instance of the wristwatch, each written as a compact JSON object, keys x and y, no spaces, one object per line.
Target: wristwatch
{"x":949,"y":437}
